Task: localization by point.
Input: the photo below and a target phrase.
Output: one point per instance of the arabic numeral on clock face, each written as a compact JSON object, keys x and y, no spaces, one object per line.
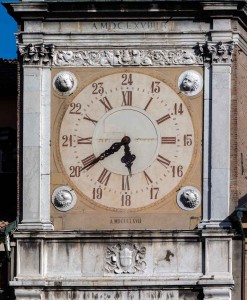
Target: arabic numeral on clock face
{"x":75,"y":108}
{"x":67,"y":140}
{"x":155,"y":87}
{"x":177,"y":171}
{"x":187,"y":139}
{"x":98,"y":88}
{"x":97,"y":193}
{"x":75,"y":171}
{"x":178,"y":109}
{"x":126,"y":200}
{"x":154,"y":193}
{"x":127,"y":79}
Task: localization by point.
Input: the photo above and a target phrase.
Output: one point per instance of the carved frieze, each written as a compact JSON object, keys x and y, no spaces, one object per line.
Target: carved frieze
{"x":212,"y":52}
{"x":125,"y":258}
{"x":40,"y":54}
{"x":125,"y":57}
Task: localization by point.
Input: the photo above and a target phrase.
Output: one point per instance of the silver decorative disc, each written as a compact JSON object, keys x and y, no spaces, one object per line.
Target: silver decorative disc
{"x":190,"y":83}
{"x":65,"y":83}
{"x":64,"y":198}
{"x":189,"y":198}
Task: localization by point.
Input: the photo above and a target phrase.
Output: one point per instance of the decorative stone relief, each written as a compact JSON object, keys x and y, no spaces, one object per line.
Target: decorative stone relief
{"x":37,"y":54}
{"x":64,"y":198}
{"x":65,"y":83}
{"x":125,"y":57}
{"x":188,"y":198}
{"x":125,"y":258}
{"x":215,"y":52}
{"x":190,"y":83}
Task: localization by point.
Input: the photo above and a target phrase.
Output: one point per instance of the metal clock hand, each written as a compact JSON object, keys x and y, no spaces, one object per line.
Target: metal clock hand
{"x":128,"y":158}
{"x":114,"y":148}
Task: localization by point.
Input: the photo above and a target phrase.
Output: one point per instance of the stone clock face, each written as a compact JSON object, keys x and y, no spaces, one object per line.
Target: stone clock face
{"x":161,"y":133}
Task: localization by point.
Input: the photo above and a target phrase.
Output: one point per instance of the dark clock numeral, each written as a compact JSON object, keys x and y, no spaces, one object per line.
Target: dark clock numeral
{"x":125,"y":183}
{"x":177,"y":171}
{"x":168,"y":140}
{"x":154,"y":192}
{"x":178,"y":109}
{"x":98,"y":88}
{"x":188,"y":140}
{"x":150,"y":100}
{"x":165,"y":162}
{"x":75,"y":108}
{"x":89,"y":119}
{"x":97,"y":193}
{"x":86,"y":161}
{"x":127,"y":79}
{"x":155,"y":87}
{"x":148,"y":179}
{"x":67,"y":140}
{"x":104,"y":177}
{"x":84,"y":141}
{"x":75,"y":171}
{"x":164,"y":118}
{"x":126,"y":200}
{"x":106,"y":103}
{"x":127,"y":98}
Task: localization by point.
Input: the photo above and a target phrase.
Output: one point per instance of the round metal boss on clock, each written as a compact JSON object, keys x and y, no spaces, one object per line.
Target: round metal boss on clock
{"x":64,"y":198}
{"x":190,"y":83}
{"x":189,"y":198}
{"x":65,"y":83}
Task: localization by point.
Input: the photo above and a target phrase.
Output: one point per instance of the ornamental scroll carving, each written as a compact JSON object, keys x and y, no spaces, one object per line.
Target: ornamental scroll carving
{"x":125,"y":258}
{"x":125,"y":57}
{"x":215,"y":52}
{"x":37,"y":54}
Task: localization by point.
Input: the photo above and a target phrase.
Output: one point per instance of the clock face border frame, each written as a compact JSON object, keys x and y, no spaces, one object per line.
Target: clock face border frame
{"x":156,"y":73}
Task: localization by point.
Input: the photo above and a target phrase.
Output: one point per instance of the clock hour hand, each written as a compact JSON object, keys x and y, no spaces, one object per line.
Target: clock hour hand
{"x":113,"y":149}
{"x":128,"y":158}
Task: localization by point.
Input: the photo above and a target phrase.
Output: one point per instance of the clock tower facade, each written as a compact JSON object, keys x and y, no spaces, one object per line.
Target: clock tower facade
{"x":126,"y":132}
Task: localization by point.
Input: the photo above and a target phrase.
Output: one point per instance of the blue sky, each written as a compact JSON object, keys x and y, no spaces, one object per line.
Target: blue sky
{"x":8,"y":27}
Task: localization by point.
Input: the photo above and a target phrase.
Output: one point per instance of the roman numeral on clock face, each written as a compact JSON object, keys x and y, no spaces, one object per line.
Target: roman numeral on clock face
{"x":125,"y":183}
{"x":86,"y":161}
{"x":89,"y":119}
{"x":106,"y":103}
{"x":104,"y":177}
{"x":164,"y":118}
{"x":85,"y":141}
{"x":165,"y":162}
{"x":127,"y":98}
{"x":148,"y":179}
{"x":168,"y":140}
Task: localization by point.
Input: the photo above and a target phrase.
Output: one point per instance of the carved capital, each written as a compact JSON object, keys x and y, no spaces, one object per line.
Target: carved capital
{"x":220,"y":52}
{"x":38,"y":54}
{"x":125,"y":57}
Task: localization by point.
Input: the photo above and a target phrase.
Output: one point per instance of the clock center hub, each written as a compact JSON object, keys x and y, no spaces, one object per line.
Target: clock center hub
{"x":141,"y":130}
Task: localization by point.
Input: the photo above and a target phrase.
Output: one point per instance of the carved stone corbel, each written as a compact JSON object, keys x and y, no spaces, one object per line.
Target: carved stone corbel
{"x":219,"y":53}
{"x":38,"y":54}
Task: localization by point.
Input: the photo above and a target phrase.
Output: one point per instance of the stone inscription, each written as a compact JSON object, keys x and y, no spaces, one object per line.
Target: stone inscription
{"x":123,"y":220}
{"x":147,"y":26}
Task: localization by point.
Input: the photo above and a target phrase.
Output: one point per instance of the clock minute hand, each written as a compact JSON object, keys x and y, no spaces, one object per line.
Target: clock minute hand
{"x":113,"y":149}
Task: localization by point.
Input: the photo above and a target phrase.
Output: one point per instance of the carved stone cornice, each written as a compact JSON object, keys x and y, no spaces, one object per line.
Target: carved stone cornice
{"x":215,"y":53}
{"x":125,"y":57}
{"x":38,"y":54}
{"x":209,"y":52}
